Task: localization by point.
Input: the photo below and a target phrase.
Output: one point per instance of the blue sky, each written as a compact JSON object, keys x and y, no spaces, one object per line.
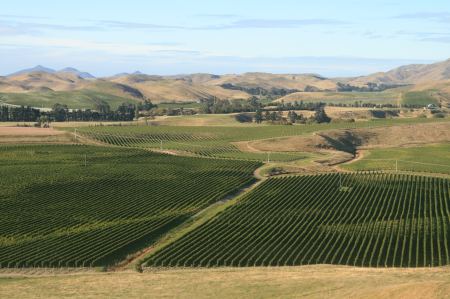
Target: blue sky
{"x":333,"y":38}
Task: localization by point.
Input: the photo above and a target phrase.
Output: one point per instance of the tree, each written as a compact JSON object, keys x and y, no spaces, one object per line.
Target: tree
{"x":273,"y":116}
{"x":206,"y":106}
{"x":60,"y":111}
{"x":126,"y":111}
{"x":320,"y":116}
{"x":258,"y":116}
{"x":255,"y":102}
{"x":43,"y":121}
{"x":103,"y":108}
{"x":147,"y":105}
{"x":292,"y":116}
{"x":301,"y":119}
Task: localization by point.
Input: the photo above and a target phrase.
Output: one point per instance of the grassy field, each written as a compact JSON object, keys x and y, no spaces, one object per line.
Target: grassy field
{"x":431,"y":158}
{"x":375,"y":220}
{"x":282,"y":282}
{"x":419,"y":98}
{"x":77,"y":99}
{"x":178,"y":105}
{"x":386,"y":97}
{"x":201,"y":120}
{"x":74,"y":205}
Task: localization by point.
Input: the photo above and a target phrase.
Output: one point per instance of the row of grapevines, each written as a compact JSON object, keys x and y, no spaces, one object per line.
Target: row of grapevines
{"x":359,"y":219}
{"x":76,"y":205}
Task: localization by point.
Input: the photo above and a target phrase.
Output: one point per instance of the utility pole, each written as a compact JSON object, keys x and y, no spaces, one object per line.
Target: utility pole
{"x":160,"y":146}
{"x":396,"y":165}
{"x":85,"y":160}
{"x":268,"y":157}
{"x":340,"y":181}
{"x":75,"y":134}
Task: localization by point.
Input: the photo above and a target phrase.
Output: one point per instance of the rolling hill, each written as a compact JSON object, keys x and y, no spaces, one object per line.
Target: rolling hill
{"x":408,"y":74}
{"x":428,"y":82}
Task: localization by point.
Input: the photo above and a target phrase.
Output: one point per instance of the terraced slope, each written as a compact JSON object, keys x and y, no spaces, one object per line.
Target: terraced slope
{"x":69,"y":205}
{"x":375,"y":220}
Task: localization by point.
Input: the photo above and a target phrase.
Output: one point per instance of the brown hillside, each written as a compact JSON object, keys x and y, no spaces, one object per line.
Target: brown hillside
{"x":408,"y":74}
{"x":191,"y":87}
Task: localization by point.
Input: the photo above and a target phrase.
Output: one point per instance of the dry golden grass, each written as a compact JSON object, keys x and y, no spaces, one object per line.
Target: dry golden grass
{"x":406,"y":135}
{"x":18,"y":135}
{"x":416,"y":73}
{"x":37,"y":80}
{"x":268,"y":81}
{"x":388,"y":96}
{"x":394,"y":136}
{"x":164,"y":89}
{"x":201,"y":120}
{"x":284,"y":282}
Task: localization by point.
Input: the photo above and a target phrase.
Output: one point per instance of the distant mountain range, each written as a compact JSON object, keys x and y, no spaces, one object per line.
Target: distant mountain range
{"x":193,"y":87}
{"x":43,"y":69}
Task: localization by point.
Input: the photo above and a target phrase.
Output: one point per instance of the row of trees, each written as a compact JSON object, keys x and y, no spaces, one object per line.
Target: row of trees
{"x":278,"y":92}
{"x":103,"y":112}
{"x":11,"y":113}
{"x":361,"y":104}
{"x":60,"y":112}
{"x":218,"y":106}
{"x":292,"y":117}
{"x":282,"y":106}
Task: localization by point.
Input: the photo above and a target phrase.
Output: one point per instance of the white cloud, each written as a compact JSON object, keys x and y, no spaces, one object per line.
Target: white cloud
{"x":90,"y":46}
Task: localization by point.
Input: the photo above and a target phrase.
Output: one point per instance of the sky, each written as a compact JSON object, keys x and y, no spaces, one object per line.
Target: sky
{"x":331,"y":38}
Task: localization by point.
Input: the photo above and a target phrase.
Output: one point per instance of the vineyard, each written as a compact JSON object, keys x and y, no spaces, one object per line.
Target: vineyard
{"x":217,"y":142}
{"x":360,"y":219}
{"x":76,"y":205}
{"x":433,"y":158}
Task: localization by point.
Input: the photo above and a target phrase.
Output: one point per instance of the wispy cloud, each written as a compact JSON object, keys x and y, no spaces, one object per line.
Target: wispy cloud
{"x":92,"y":46}
{"x":7,"y":29}
{"x":438,"y":39}
{"x":21,"y":17}
{"x":273,"y":23}
{"x":372,"y":35}
{"x":134,"y":25}
{"x":222,"y":16}
{"x":443,"y":17}
{"x":12,"y":26}
{"x":238,"y":24}
{"x":427,"y":36}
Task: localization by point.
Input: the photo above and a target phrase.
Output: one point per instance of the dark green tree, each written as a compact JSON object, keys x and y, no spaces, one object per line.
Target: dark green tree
{"x":258,"y":116}
{"x":320,"y":116}
{"x":292,"y":117}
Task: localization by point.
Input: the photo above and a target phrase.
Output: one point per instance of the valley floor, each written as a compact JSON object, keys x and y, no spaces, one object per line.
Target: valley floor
{"x":321,"y":281}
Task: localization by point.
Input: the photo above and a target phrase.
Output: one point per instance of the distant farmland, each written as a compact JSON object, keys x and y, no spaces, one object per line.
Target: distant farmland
{"x":377,"y":220}
{"x":419,"y":98}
